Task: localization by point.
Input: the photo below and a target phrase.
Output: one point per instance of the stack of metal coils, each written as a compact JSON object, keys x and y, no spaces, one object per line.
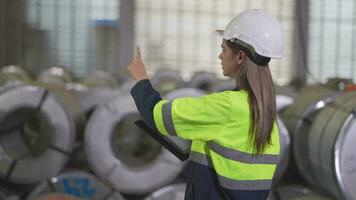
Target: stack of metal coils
{"x":322,"y":126}
{"x":37,"y":131}
{"x":123,"y":155}
{"x":165,"y":81}
{"x":203,"y":81}
{"x":39,"y":125}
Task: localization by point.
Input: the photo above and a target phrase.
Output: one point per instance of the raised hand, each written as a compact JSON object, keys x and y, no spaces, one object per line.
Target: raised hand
{"x":136,"y":68}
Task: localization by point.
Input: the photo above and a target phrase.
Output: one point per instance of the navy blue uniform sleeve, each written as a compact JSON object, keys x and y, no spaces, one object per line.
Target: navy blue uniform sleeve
{"x":145,"y":97}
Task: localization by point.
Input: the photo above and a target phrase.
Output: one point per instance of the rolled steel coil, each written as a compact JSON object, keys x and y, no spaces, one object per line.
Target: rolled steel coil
{"x":224,"y":85}
{"x":75,"y":183}
{"x":298,"y":119}
{"x":13,"y":73}
{"x":185,"y":92}
{"x":296,"y":192}
{"x":286,"y":91}
{"x":3,"y":196}
{"x":94,"y":90}
{"x":90,"y":98}
{"x":56,"y":196}
{"x":71,"y":104}
{"x":173,"y":192}
{"x":126,"y":87}
{"x":56,"y":75}
{"x":284,"y":155}
{"x":100,"y":79}
{"x":203,"y":81}
{"x":285,"y":96}
{"x":283,"y":101}
{"x":166,"y":81}
{"x":331,"y":153}
{"x":13,"y":76}
{"x":36,"y":134}
{"x":123,"y":155}
{"x":324,"y":126}
{"x":10,"y":191}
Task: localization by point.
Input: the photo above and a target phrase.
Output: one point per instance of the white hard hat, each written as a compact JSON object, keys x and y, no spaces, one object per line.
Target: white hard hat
{"x":259,"y":30}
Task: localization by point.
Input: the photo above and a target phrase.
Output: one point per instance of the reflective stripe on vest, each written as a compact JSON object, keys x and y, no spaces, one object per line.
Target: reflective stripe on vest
{"x":230,"y":183}
{"x":242,"y":156}
{"x":200,"y":158}
{"x":221,"y":150}
{"x":168,"y":119}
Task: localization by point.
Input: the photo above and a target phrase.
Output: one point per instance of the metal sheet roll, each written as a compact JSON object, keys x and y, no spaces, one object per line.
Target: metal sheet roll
{"x":100,"y":79}
{"x":285,"y":96}
{"x":296,"y":192}
{"x":36,"y":135}
{"x":172,"y":192}
{"x":185,"y":92}
{"x":72,"y":106}
{"x":183,"y":145}
{"x":283,"y":101}
{"x":284,"y":156}
{"x":56,"y":75}
{"x":123,"y":155}
{"x":3,"y":196}
{"x":203,"y":81}
{"x":90,"y":98}
{"x":126,"y":87}
{"x":298,"y":119}
{"x":10,"y":191}
{"x":13,"y":73}
{"x":331,"y":147}
{"x":305,"y":102}
{"x":167,"y":80}
{"x":75,"y":183}
{"x":224,"y":85}
{"x":76,"y":113}
{"x":56,"y":196}
{"x":286,"y":91}
{"x":94,"y":90}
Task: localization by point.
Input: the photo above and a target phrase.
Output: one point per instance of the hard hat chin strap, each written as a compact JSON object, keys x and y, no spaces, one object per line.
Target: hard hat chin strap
{"x":248,"y":49}
{"x":260,"y":60}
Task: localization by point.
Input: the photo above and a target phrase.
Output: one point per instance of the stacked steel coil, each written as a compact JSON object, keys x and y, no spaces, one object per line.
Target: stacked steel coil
{"x":322,"y":126}
{"x":166,"y":81}
{"x":40,"y":124}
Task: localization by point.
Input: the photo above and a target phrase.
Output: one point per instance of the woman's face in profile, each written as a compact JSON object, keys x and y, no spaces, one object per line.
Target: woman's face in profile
{"x":228,"y":60}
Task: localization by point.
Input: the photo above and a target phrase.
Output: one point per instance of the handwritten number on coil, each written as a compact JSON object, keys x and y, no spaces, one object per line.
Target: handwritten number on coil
{"x":79,"y":187}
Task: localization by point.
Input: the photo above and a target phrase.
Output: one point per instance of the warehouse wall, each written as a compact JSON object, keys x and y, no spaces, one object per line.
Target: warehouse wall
{"x":2,"y":18}
{"x":332,"y":39}
{"x":320,"y":36}
{"x":179,"y":34}
{"x":11,"y":31}
{"x":81,"y":35}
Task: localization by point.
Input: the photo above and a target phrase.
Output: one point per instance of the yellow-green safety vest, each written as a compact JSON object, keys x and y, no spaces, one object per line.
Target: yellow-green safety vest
{"x":218,"y":125}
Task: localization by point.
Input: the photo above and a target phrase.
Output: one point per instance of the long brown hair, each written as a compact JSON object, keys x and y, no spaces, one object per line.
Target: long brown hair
{"x":258,"y":83}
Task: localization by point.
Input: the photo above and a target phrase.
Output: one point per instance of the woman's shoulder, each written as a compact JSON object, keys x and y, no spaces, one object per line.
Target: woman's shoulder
{"x":233,"y":94}
{"x":229,"y":97}
{"x":230,"y":93}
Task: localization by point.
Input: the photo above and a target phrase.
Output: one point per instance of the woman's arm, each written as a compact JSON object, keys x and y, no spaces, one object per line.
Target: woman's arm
{"x":145,"y":97}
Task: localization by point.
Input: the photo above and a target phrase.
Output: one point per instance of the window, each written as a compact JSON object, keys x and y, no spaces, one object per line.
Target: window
{"x":179,"y":34}
{"x":79,"y":34}
{"x":332,"y":39}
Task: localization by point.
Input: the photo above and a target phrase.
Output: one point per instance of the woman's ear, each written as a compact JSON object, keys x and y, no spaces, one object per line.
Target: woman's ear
{"x":240,"y":56}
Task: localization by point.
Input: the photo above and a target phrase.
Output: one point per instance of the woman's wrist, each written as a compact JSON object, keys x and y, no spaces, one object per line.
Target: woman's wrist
{"x":140,"y":78}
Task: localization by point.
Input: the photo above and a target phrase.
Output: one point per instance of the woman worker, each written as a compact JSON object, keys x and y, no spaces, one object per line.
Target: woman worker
{"x":235,"y":143}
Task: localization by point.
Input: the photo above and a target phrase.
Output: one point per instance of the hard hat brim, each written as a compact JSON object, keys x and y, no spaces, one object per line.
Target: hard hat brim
{"x":219,"y":33}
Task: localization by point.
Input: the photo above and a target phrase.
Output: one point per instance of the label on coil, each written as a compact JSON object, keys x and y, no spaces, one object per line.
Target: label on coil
{"x":78,"y":186}
{"x":179,"y":196}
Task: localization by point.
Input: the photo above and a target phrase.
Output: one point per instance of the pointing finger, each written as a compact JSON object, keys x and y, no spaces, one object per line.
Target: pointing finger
{"x":138,"y":52}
